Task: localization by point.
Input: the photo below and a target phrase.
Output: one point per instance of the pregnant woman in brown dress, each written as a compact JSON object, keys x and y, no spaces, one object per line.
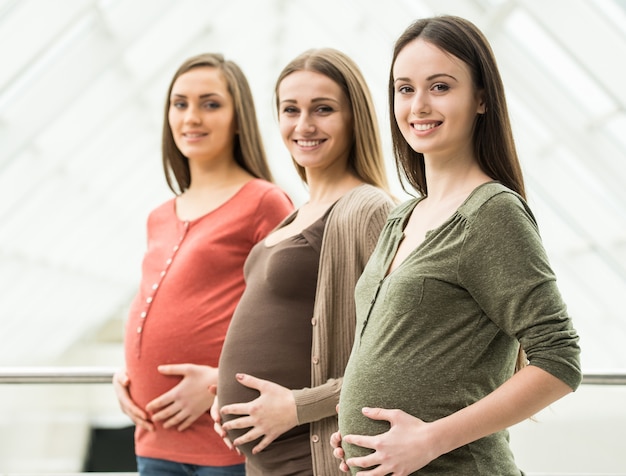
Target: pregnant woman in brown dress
{"x":283,"y":359}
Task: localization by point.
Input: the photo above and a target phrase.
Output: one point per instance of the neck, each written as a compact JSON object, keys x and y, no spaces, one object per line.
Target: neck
{"x":328,"y":188}
{"x":453,"y":179}
{"x":222,"y":175}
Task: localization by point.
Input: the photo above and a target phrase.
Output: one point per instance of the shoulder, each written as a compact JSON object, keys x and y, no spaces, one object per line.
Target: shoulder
{"x":261,"y":191}
{"x":260,"y":186}
{"x":165,"y":210}
{"x":365,"y":198}
{"x":489,"y":193}
{"x":359,"y":216}
{"x":363,"y":207}
{"x":496,"y":213}
{"x":494,"y":200}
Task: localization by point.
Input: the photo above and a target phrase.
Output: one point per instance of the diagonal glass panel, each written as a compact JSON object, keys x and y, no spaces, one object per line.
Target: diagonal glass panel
{"x":559,"y":63}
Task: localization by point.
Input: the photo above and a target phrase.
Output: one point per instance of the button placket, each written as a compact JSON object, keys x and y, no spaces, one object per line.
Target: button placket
{"x":155,"y":286}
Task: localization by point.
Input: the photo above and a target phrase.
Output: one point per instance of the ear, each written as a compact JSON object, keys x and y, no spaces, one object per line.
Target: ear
{"x":482,"y":105}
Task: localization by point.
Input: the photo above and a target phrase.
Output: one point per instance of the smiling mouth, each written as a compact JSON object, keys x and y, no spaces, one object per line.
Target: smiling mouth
{"x":425,"y":127}
{"x":194,"y":135}
{"x":308,"y":143}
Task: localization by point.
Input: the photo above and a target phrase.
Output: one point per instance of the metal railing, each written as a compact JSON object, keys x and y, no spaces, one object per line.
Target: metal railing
{"x":608,"y":377}
{"x":56,"y":374}
{"x":30,"y":375}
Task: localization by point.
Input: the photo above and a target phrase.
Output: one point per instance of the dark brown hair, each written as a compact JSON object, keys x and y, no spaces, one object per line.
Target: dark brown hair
{"x":494,"y":146}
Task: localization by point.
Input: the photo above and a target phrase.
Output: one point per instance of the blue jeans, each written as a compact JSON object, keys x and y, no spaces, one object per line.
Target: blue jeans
{"x":161,"y":467}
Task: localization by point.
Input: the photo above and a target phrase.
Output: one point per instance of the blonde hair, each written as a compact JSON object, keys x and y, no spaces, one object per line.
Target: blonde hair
{"x":366,"y":157}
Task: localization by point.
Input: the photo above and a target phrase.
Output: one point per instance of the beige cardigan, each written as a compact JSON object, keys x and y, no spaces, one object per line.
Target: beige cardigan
{"x":350,"y":236}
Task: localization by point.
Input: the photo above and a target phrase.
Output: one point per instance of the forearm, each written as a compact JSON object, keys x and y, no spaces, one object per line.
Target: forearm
{"x":525,"y":394}
{"x":313,"y":404}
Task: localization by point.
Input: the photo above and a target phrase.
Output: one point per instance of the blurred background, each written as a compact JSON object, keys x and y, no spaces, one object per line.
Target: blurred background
{"x":82,"y":93}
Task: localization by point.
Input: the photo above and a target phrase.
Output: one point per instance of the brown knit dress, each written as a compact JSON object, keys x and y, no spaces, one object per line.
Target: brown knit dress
{"x":270,"y":338}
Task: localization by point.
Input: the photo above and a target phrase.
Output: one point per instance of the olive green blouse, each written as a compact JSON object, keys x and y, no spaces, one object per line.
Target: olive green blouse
{"x":443,"y":329}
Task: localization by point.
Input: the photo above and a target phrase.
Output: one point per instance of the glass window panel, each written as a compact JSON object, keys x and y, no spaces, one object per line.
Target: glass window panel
{"x":616,"y":125}
{"x":614,"y":11}
{"x":27,"y":24}
{"x":557,"y":61}
{"x":580,"y":197}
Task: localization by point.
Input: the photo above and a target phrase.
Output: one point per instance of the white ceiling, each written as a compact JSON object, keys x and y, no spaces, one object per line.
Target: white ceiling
{"x":82,"y":86}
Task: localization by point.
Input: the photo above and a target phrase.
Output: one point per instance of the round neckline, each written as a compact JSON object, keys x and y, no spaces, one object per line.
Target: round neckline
{"x":210,"y":212}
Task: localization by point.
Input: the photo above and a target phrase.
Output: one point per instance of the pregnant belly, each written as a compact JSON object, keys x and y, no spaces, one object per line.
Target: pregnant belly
{"x":418,"y":392}
{"x":360,"y":390}
{"x":276,"y":362}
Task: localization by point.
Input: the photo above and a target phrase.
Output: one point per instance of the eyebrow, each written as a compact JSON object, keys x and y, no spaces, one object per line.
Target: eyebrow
{"x":314,"y":100}
{"x":429,"y":78}
{"x":202,"y":96}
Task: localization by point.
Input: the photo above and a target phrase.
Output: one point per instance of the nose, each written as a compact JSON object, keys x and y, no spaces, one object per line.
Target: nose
{"x":192,"y":115}
{"x":420,"y":104}
{"x":305,"y":124}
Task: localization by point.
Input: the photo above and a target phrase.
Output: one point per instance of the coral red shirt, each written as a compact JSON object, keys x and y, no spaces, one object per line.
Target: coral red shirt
{"x":192,"y":279}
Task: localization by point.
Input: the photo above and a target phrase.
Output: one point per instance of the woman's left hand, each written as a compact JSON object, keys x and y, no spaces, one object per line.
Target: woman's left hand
{"x":405,"y":448}
{"x":269,"y":415}
{"x":182,"y":405}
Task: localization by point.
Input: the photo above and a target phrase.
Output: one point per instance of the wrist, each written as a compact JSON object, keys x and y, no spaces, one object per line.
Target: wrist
{"x":440,"y":440}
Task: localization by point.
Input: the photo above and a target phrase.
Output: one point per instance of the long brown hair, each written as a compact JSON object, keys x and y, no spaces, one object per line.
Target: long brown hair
{"x":366,"y":157}
{"x":248,"y":150}
{"x":494,"y":146}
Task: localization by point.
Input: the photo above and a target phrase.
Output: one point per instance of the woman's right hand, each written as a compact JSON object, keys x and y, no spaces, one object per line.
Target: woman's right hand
{"x":217,"y":420}
{"x":335,"y":443}
{"x":136,"y":414}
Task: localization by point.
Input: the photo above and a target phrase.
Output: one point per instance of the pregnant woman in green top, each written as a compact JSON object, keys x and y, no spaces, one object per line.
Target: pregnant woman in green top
{"x":458,"y":282}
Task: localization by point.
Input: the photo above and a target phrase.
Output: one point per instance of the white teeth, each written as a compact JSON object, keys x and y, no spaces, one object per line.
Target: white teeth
{"x":309,"y":143}
{"x":424,"y":127}
{"x":193,"y":135}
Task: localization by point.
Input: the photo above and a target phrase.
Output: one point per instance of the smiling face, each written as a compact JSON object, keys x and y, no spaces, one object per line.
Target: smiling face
{"x":435,"y":101}
{"x":315,"y":120}
{"x":201,"y":115}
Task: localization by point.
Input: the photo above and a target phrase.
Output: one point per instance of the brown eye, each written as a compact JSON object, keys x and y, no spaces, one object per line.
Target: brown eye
{"x":290,"y":110}
{"x":212,"y":105}
{"x":440,"y":87}
{"x":324,"y":110}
